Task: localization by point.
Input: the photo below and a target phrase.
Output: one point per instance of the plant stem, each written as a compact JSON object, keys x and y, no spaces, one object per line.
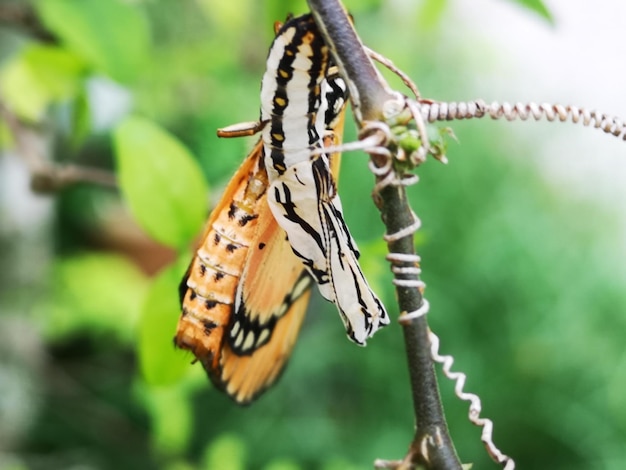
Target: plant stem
{"x":432,"y":447}
{"x":45,"y":176}
{"x":368,"y":90}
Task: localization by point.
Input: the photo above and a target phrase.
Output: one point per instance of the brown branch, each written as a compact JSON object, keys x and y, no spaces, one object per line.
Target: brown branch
{"x":368,"y":90}
{"x":46,"y":177}
{"x":432,"y":447}
{"x":23,"y":17}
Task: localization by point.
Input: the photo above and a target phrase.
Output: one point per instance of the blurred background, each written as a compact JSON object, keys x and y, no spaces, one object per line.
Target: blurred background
{"x":522,"y":241}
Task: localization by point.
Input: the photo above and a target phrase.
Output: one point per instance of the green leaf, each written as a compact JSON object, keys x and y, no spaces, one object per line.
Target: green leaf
{"x":171,"y":417}
{"x":227,"y":451}
{"x":58,"y":70}
{"x":81,"y":119}
{"x":359,"y":6}
{"x":37,"y":76}
{"x":538,"y":7}
{"x":22,"y":90}
{"x":112,"y":36}
{"x":431,"y":12}
{"x":282,"y":464}
{"x":94,"y":293}
{"x":376,"y":273}
{"x":161,"y":181}
{"x":160,"y":362}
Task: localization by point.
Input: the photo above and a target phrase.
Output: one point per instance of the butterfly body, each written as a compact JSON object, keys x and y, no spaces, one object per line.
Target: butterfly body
{"x":303,"y":195}
{"x":278,"y":228}
{"x":243,"y":339}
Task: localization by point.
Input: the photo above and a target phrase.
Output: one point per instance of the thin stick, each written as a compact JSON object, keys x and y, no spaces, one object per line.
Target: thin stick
{"x":45,"y":176}
{"x":431,"y":447}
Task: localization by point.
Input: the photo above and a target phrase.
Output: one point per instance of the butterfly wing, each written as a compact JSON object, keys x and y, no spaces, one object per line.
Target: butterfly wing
{"x":305,"y":202}
{"x":245,"y":293}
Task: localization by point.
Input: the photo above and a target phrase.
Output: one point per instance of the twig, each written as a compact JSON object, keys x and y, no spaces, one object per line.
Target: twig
{"x":24,"y":17}
{"x":45,"y":176}
{"x":432,"y":447}
{"x":368,"y":90}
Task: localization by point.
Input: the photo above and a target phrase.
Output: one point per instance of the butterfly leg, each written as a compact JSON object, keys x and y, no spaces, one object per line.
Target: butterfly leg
{"x":241,"y":129}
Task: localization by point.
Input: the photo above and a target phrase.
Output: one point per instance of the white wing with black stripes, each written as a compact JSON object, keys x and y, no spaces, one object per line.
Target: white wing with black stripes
{"x":298,"y":101}
{"x":320,"y":237}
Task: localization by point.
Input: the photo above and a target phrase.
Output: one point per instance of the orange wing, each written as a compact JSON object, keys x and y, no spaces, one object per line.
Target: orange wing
{"x":245,"y":293}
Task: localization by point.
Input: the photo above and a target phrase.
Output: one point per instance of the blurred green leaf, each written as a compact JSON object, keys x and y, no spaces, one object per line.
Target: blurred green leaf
{"x":372,"y":263}
{"x":22,"y":90}
{"x":160,"y":362}
{"x":171,"y":418}
{"x":96,"y":293}
{"x":277,"y":10}
{"x":179,"y":465}
{"x":431,"y":12}
{"x":538,"y":7}
{"x":161,"y":181}
{"x":59,"y":70}
{"x":227,"y":14}
{"x":81,"y":119}
{"x":227,"y":451}
{"x":111,"y":35}
{"x":36,"y":77}
{"x":359,"y":6}
{"x":338,"y":463}
{"x":282,"y":464}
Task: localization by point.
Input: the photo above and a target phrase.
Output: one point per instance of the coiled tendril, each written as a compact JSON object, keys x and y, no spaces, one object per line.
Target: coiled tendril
{"x":377,"y":138}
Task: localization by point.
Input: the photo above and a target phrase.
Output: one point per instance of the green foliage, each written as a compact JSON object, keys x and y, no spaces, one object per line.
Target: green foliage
{"x":108,"y":305}
{"x":431,"y":12}
{"x":160,"y":363}
{"x":226,"y":451}
{"x":81,"y":119}
{"x":171,"y":418}
{"x":282,"y":464}
{"x":537,"y":6}
{"x":161,"y":181}
{"x":112,"y":36}
{"x":38,"y":76}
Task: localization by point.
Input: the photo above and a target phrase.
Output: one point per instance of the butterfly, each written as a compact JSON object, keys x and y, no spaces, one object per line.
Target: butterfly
{"x":277,"y":229}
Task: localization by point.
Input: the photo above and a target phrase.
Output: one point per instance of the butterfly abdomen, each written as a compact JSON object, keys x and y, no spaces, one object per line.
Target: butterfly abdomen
{"x":208,"y":290}
{"x":291,"y":93}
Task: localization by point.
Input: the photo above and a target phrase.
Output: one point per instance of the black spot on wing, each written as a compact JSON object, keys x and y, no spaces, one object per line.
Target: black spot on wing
{"x":244,"y":219}
{"x":232,"y":210}
{"x":182,"y":287}
{"x":208,"y":326}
